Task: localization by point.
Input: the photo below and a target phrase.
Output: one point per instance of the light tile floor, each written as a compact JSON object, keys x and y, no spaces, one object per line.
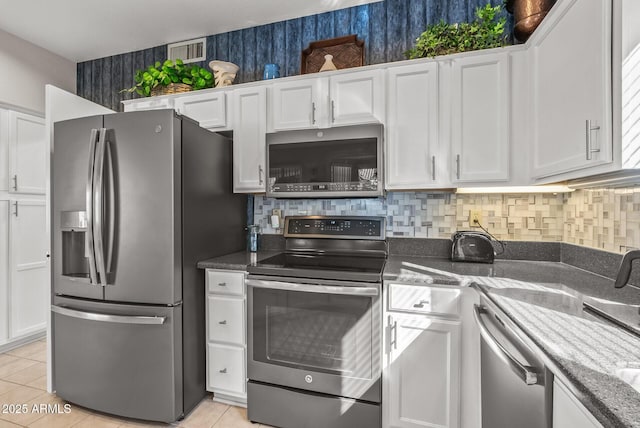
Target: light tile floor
{"x":23,"y":381}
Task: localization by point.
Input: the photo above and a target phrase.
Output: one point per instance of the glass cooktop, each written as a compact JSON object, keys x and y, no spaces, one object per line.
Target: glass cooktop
{"x":333,"y":267}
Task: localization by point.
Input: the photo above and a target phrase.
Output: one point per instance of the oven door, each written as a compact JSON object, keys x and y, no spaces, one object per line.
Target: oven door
{"x":316,"y":337}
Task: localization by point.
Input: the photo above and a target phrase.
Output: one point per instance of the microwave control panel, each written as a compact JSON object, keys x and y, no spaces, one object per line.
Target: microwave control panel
{"x":342,"y":227}
{"x":326,"y":187}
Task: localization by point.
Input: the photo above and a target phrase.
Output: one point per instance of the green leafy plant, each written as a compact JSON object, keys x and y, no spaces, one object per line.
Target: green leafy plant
{"x":484,"y":32}
{"x":169,"y":72}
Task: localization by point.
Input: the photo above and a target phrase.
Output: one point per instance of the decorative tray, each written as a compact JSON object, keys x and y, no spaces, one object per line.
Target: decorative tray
{"x":347,"y":52}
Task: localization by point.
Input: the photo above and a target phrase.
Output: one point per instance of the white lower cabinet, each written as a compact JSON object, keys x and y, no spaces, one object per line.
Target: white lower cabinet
{"x":422,"y":385}
{"x":568,"y":412}
{"x":226,"y":336}
{"x":423,"y":358}
{"x":23,"y":270}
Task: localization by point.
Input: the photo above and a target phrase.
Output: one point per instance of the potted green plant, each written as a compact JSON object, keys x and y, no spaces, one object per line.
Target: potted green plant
{"x":170,"y":77}
{"x":484,"y":32}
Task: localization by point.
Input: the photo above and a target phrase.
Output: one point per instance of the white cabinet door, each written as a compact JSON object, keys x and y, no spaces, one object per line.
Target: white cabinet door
{"x":421,"y":384}
{"x":27,"y":153}
{"x":4,"y":150}
{"x":28,"y":266}
{"x":4,"y":271}
{"x":225,"y":319}
{"x":356,"y":98}
{"x":480,"y":118}
{"x":209,"y":109}
{"x":414,"y":159}
{"x":249,"y":139}
{"x":568,"y":412}
{"x":571,"y":86}
{"x":300,"y":104}
{"x":149,"y":103}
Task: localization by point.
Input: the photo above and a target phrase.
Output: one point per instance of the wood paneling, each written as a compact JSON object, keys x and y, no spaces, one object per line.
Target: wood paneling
{"x":388,"y":28}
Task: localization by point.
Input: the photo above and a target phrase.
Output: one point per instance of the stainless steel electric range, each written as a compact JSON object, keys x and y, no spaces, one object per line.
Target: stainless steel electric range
{"x":314,"y":326}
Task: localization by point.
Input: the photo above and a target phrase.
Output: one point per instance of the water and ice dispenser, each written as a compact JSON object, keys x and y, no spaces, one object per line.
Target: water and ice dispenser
{"x":75,"y":261}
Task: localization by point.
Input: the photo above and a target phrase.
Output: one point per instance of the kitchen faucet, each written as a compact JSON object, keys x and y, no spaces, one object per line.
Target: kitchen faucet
{"x":624,"y":271}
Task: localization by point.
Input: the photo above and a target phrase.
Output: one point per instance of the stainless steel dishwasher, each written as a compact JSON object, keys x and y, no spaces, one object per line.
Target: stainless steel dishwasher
{"x":516,"y":386}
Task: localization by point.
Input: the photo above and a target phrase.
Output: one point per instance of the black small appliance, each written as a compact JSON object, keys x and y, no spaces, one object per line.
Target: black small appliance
{"x":469,"y":246}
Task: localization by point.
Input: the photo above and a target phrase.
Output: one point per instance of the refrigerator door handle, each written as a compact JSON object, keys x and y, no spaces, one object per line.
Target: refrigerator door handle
{"x":122,"y":319}
{"x":89,"y":242}
{"x":98,"y":205}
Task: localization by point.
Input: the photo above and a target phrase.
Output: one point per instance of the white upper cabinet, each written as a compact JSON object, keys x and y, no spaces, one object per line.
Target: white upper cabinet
{"x":413,"y":146}
{"x":209,"y":109}
{"x":356,"y":98}
{"x":572,"y":89}
{"x":350,"y":98}
{"x":480,"y":118}
{"x":298,"y":104}
{"x":27,"y":153}
{"x":249,"y":139}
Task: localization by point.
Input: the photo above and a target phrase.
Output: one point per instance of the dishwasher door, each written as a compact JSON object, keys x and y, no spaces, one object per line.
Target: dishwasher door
{"x":516,"y":386}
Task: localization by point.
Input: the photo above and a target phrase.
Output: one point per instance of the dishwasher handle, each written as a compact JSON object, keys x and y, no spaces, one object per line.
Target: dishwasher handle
{"x":527,"y":374}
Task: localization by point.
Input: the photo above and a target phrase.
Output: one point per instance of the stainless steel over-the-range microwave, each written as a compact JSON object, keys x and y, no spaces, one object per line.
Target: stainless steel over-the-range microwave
{"x":326,"y":163}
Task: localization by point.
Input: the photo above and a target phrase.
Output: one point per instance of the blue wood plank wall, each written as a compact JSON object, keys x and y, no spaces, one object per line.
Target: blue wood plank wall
{"x":388,"y":28}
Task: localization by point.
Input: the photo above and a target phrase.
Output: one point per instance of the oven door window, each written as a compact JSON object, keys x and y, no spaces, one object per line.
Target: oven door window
{"x":313,"y":331}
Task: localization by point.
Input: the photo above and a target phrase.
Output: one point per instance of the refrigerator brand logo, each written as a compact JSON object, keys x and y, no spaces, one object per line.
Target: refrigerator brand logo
{"x":308,"y":378}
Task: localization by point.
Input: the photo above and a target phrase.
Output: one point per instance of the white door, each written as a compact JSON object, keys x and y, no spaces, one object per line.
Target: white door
{"x":28,"y":267}
{"x":4,"y":150}
{"x":4,"y":271}
{"x":414,"y":159}
{"x":300,"y":104}
{"x":356,"y":98}
{"x":480,"y":118}
{"x":249,"y":139}
{"x":27,"y":153}
{"x":572,"y":88}
{"x":209,"y":109}
{"x":568,"y":412}
{"x":421,"y":384}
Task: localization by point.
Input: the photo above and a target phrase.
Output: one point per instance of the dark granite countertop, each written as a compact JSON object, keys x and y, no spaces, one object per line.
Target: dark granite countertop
{"x":545,"y":299}
{"x":236,"y":261}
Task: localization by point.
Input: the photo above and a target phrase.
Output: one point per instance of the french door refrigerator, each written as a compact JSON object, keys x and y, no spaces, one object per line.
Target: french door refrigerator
{"x":137,"y":199}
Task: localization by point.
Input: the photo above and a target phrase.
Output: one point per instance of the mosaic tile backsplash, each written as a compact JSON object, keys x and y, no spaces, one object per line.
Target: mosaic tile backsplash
{"x":607,"y":219}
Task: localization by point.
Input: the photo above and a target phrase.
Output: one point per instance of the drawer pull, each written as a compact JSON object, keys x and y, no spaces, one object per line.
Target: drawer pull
{"x":223,"y":371}
{"x":222,"y":284}
{"x":223,"y":322}
{"x":421,"y":304}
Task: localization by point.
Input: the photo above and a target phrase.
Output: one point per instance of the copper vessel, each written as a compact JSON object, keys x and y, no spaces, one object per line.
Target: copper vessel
{"x":528,"y":14}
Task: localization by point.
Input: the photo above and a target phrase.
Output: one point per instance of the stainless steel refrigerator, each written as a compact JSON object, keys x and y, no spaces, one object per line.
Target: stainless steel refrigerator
{"x":137,"y":199}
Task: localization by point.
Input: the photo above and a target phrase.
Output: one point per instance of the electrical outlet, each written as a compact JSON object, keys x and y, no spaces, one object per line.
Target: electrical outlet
{"x":277,"y":212}
{"x":475,"y":218}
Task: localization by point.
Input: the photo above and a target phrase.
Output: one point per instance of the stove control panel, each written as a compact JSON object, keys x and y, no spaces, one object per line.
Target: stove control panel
{"x":335,"y":227}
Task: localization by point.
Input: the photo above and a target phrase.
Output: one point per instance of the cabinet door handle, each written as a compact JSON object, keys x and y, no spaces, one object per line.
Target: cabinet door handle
{"x":223,"y":371}
{"x":260,"y":172}
{"x":222,"y":284}
{"x":313,"y":113}
{"x":15,"y":204}
{"x":223,"y":322}
{"x":15,"y":182}
{"x":458,"y":167}
{"x":589,"y":129}
{"x":393,"y":332}
{"x":433,"y":168}
{"x":421,"y":304}
{"x":333,"y":111}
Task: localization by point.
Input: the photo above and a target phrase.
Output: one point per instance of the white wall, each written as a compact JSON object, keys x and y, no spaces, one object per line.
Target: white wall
{"x":26,"y":68}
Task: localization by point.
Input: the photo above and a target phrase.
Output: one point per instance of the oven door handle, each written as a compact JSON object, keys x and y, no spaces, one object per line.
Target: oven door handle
{"x":314,"y":288}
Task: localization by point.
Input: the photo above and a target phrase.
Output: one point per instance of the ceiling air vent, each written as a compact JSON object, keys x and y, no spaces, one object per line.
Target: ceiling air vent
{"x":188,"y":51}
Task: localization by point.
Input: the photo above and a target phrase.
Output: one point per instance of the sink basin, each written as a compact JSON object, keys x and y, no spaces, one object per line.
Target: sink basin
{"x":629,"y":373}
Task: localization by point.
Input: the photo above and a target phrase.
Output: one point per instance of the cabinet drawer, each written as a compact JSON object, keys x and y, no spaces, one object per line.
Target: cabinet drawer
{"x":424,"y":300}
{"x":226,"y":368}
{"x":225,"y":282}
{"x":225,"y":317}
